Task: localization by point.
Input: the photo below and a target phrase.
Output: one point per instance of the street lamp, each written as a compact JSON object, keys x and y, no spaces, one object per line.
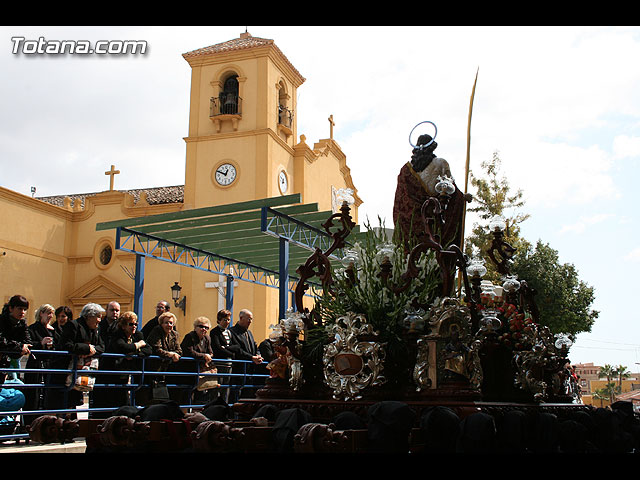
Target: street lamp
{"x":175,"y":294}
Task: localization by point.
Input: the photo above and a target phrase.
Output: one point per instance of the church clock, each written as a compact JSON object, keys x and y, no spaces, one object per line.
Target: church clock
{"x":283,"y":182}
{"x":225,"y":174}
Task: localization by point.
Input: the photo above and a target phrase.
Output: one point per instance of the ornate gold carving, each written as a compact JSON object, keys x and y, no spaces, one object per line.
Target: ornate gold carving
{"x":352,"y":365}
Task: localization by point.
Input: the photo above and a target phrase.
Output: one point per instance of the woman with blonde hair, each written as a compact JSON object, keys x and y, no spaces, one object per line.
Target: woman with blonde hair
{"x":43,"y":337}
{"x":197,"y":344}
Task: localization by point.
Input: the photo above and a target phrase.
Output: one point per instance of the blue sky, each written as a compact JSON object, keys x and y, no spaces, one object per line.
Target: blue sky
{"x":561,"y":105}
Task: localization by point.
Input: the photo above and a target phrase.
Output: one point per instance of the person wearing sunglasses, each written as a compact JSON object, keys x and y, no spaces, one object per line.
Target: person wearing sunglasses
{"x":197,"y":344}
{"x":126,"y":340}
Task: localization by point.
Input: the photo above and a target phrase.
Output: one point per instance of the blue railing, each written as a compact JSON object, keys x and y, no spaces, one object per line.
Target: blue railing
{"x":245,"y":380}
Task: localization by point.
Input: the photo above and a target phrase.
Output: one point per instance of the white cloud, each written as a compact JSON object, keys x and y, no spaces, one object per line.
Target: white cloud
{"x":584,"y":222}
{"x":625,"y":146}
{"x":633,"y":255}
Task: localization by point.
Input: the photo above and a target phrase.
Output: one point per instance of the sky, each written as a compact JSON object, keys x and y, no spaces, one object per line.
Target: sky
{"x":559,"y":104}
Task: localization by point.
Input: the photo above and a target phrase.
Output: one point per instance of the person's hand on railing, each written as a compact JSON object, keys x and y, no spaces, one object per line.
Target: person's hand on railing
{"x":26,"y":349}
{"x":257,"y":359}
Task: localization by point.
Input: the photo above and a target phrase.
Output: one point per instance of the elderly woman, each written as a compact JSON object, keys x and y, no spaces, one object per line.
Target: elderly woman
{"x":81,"y":338}
{"x":127,"y":340}
{"x":165,"y":344}
{"x":164,"y":339}
{"x":197,"y":344}
{"x":43,"y":337}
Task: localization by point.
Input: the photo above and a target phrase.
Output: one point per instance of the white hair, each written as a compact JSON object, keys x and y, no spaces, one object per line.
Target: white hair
{"x":92,"y":310}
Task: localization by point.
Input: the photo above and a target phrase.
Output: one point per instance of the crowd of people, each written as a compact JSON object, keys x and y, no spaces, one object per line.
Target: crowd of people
{"x":99,"y":332}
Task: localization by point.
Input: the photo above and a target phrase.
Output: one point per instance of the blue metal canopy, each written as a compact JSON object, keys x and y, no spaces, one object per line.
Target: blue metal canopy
{"x":248,"y":241}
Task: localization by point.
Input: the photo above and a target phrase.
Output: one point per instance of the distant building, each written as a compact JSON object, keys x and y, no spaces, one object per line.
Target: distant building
{"x":590,"y":381}
{"x":586,"y":372}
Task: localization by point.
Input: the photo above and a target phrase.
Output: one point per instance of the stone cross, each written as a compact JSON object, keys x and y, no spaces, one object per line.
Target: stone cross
{"x":331,"y":125}
{"x":111,"y":173}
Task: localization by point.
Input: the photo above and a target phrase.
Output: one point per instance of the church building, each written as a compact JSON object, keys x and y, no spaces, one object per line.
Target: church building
{"x":242,"y":145}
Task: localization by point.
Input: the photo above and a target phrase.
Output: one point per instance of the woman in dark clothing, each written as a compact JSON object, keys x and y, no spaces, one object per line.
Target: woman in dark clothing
{"x":223,"y":349}
{"x":81,"y":338}
{"x":14,"y":335}
{"x":43,"y":337}
{"x":197,"y":344}
{"x":165,"y":344}
{"x":54,"y":400}
{"x":127,"y":340}
{"x":63,"y":315}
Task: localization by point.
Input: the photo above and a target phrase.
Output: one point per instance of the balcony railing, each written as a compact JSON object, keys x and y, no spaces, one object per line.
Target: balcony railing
{"x":225,"y":104}
{"x":185,"y":378}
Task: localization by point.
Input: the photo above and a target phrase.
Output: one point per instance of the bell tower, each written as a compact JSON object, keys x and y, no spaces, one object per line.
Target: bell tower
{"x":242,"y":122}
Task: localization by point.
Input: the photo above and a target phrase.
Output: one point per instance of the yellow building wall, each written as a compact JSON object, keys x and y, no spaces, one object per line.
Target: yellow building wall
{"x":598,"y":384}
{"x":52,"y":252}
{"x":32,"y":250}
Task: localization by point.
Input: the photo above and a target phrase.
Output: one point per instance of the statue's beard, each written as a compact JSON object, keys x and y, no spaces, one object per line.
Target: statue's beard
{"x":421,"y":161}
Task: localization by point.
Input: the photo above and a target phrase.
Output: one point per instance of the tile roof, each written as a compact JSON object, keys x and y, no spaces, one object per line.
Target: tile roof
{"x":155,"y":196}
{"x":244,"y":42}
{"x":632,"y":395}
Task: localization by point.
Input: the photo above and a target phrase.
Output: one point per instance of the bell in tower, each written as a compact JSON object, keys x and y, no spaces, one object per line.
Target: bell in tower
{"x":229,"y":99}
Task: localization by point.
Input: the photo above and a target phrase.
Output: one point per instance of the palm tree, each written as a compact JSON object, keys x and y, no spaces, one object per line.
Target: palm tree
{"x":600,"y":394}
{"x":609,"y":372}
{"x":622,"y":373}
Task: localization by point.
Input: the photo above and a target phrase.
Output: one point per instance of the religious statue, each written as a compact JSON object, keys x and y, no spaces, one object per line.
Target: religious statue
{"x":416,"y":184}
{"x":456,"y":356}
{"x":279,"y":366}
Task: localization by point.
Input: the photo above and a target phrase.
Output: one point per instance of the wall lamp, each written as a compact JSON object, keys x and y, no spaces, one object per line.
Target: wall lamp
{"x":175,"y":294}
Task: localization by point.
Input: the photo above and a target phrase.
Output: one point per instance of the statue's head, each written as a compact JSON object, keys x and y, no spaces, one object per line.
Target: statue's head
{"x":424,"y":140}
{"x":423,"y":152}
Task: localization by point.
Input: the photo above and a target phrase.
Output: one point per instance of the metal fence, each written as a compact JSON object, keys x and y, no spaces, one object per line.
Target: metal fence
{"x":231,"y":384}
{"x":225,"y":104}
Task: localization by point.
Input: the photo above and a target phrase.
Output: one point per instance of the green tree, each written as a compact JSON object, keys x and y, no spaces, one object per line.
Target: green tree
{"x":564,"y":301}
{"x":622,"y":373}
{"x":610,"y":389}
{"x":493,"y":197}
{"x":607,"y":371}
{"x":602,"y":394}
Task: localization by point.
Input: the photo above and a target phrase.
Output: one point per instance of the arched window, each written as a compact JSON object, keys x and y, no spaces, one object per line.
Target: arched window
{"x":229,"y":99}
{"x":285,"y":115}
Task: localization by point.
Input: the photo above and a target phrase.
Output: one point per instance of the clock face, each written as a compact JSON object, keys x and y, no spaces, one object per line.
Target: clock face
{"x":225,"y":174}
{"x":283,"y":182}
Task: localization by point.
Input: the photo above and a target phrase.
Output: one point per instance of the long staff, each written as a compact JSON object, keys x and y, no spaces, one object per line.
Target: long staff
{"x":466,"y":168}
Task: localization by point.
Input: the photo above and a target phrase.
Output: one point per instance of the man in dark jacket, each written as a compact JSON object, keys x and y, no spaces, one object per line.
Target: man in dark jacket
{"x":161,"y":307}
{"x":245,"y":345}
